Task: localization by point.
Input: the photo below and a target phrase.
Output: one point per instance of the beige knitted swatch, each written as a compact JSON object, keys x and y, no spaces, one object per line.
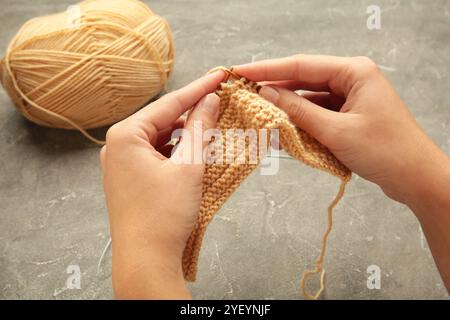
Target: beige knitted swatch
{"x":242,"y":108}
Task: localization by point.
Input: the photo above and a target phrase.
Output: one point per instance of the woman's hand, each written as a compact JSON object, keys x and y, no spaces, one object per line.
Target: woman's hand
{"x":153,"y":201}
{"x":352,"y":109}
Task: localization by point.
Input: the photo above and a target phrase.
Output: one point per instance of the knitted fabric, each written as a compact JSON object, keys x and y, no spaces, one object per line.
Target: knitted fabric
{"x":242,"y":108}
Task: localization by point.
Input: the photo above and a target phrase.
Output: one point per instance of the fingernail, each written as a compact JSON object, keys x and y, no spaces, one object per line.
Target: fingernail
{"x":269,"y":93}
{"x":210,"y":103}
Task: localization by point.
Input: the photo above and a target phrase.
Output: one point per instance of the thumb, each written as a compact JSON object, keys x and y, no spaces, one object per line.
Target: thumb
{"x":202,"y":117}
{"x":305,"y":114}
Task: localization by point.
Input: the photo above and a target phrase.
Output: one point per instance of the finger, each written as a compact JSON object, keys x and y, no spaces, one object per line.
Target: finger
{"x":324,"y":73}
{"x":203,"y":117}
{"x":302,"y":112}
{"x":326,"y":100}
{"x":295,"y":85}
{"x":163,"y":112}
{"x":165,"y":135}
{"x":144,"y":125}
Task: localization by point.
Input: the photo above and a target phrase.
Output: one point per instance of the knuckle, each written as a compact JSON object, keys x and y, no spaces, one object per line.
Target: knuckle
{"x":297,"y":63}
{"x":117,"y":134}
{"x":344,"y":131}
{"x":297,"y":111}
{"x":334,"y":136}
{"x":365,"y":65}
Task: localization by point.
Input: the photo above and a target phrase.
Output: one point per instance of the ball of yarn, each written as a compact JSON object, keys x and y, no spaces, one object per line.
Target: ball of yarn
{"x":89,"y":66}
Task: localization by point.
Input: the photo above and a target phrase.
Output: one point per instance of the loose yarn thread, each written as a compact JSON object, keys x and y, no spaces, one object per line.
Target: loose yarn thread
{"x":319,"y":263}
{"x":116,"y":59}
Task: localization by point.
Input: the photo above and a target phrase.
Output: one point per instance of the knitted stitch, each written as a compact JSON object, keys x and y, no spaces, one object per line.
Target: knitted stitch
{"x":242,"y":108}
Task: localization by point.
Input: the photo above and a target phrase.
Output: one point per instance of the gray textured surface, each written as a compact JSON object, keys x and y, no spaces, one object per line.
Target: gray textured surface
{"x":52,"y":211}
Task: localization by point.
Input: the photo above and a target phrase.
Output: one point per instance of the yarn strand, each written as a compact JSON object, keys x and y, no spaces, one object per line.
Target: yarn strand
{"x":229,"y":73}
{"x":319,"y":263}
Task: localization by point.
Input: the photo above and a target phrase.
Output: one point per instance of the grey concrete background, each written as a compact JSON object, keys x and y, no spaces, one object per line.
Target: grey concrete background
{"x":52,"y":211}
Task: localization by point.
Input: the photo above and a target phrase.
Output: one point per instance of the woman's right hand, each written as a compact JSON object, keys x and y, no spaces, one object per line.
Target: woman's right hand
{"x":352,"y":109}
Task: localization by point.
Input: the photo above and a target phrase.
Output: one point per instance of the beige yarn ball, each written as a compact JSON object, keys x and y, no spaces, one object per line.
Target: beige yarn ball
{"x":90,"y":66}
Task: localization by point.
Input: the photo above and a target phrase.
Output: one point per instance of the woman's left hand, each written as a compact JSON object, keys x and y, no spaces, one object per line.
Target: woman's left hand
{"x":153,"y":201}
